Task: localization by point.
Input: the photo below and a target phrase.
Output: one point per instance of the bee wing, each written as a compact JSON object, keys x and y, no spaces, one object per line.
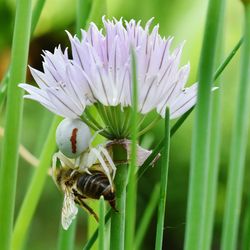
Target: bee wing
{"x":69,"y":209}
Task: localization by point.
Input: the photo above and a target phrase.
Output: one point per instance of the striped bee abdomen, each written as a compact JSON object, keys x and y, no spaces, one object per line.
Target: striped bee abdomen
{"x":95,"y":185}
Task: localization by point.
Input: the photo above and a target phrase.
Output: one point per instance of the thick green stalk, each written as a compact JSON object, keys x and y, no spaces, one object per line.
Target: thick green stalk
{"x":215,"y":135}
{"x":238,"y":147}
{"x":132,"y":187}
{"x":147,"y":216}
{"x":9,"y":163}
{"x":35,"y":188}
{"x":117,"y":230}
{"x":195,"y":227}
{"x":66,"y":237}
{"x":101,"y":230}
{"x":163,"y":185}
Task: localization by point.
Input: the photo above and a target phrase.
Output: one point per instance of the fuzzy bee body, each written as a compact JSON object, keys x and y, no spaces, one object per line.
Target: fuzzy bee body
{"x":95,"y":185}
{"x":79,"y":186}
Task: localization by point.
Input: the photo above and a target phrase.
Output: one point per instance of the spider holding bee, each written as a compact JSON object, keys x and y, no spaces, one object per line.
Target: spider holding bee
{"x":89,"y":175}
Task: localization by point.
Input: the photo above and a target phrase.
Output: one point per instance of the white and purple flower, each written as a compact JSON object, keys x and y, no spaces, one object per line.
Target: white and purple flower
{"x":100,"y":73}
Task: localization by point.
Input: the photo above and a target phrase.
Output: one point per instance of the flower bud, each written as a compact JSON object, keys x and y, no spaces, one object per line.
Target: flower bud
{"x":72,"y":137}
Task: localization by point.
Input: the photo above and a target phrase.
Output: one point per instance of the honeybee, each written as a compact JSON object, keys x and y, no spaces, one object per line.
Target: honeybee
{"x":79,"y":182}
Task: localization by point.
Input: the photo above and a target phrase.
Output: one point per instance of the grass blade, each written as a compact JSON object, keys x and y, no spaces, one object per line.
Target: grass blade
{"x":132,"y":187}
{"x":147,"y":216}
{"x":82,"y":14}
{"x":101,"y":230}
{"x":36,"y":13}
{"x":9,"y":163}
{"x":35,"y":17}
{"x":94,"y":236}
{"x":98,"y":9}
{"x":35,"y":188}
{"x":163,"y":184}
{"x":238,"y":147}
{"x":215,"y":135}
{"x":66,"y":237}
{"x":195,"y":227}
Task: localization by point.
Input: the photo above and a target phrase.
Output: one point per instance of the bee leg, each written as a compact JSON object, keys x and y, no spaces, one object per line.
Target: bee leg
{"x":89,"y":209}
{"x":112,"y":204}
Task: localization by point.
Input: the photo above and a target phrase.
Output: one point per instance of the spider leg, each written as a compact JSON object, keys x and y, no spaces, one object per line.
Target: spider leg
{"x":88,"y":208}
{"x":85,"y":163}
{"x":103,"y":164}
{"x":94,"y":136}
{"x":109,"y":159}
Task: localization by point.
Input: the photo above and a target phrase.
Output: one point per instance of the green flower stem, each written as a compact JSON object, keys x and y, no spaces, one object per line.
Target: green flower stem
{"x":132,"y":187}
{"x":94,"y":236}
{"x":214,"y":154}
{"x":9,"y":163}
{"x":34,"y":191}
{"x":228,"y":59}
{"x":117,"y":229}
{"x":238,"y":147}
{"x":101,"y":230}
{"x":82,"y":13}
{"x":245,"y":239}
{"x":147,"y":216}
{"x":98,"y":9}
{"x":66,"y":237}
{"x":163,"y":185}
{"x":195,"y":227}
{"x":36,"y":13}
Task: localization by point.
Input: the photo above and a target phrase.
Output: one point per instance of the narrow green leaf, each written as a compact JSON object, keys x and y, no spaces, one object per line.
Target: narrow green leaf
{"x":245,"y":239}
{"x":94,"y":236}
{"x":82,"y":13}
{"x":35,"y":188}
{"x":147,"y":216}
{"x":35,"y":17}
{"x":101,"y":230}
{"x":215,"y":135}
{"x":98,"y":9}
{"x":163,"y":185}
{"x":238,"y":147}
{"x":197,"y":193}
{"x":228,"y":59}
{"x":14,"y":108}
{"x":36,"y":13}
{"x":132,"y":187}
{"x":67,"y":237}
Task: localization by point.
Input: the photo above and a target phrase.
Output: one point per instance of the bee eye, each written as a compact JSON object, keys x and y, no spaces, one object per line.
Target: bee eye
{"x":72,"y":137}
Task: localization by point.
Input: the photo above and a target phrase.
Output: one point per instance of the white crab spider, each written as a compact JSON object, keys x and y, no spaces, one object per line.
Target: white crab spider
{"x":67,"y":176}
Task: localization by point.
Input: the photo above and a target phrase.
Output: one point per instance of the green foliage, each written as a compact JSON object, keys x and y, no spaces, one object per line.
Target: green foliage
{"x":136,"y":220}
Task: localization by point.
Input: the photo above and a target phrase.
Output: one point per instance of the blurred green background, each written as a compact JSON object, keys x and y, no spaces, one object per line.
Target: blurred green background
{"x":185,"y":21}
